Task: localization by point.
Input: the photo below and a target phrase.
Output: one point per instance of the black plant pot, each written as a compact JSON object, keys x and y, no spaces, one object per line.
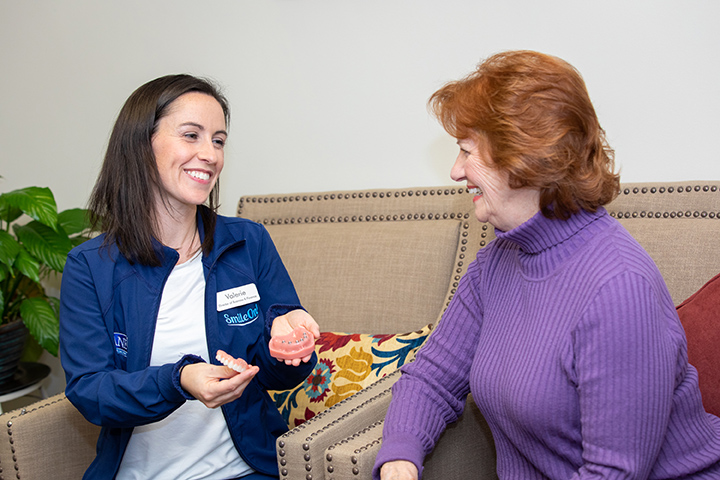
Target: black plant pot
{"x":12,"y":343}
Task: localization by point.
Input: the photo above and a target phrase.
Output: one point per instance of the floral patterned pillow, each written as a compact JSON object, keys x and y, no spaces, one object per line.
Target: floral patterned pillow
{"x":347,"y":363}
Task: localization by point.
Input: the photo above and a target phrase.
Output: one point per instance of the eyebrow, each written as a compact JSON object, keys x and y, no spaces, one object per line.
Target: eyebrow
{"x":197,"y":125}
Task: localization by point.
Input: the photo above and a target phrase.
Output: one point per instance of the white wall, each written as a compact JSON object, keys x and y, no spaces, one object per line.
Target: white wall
{"x":330,"y":94}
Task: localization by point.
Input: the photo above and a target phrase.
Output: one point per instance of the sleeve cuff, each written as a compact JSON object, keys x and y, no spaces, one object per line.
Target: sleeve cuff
{"x":400,"y":446}
{"x":177,"y":368}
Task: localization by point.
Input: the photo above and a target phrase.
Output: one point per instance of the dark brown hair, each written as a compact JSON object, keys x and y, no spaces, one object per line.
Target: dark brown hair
{"x":542,"y":128}
{"x":122,"y":203}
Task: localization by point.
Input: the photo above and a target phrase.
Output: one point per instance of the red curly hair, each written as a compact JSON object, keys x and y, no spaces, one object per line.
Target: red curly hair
{"x":542,"y":129}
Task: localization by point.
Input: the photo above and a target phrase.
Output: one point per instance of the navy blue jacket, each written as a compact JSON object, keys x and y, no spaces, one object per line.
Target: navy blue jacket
{"x":108,"y":311}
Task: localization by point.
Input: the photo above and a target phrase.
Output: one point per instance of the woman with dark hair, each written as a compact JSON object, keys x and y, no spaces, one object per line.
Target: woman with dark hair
{"x":149,"y":308}
{"x":562,"y":328}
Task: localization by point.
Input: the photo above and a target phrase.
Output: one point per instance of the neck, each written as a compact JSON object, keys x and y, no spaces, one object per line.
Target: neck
{"x":180,"y":232}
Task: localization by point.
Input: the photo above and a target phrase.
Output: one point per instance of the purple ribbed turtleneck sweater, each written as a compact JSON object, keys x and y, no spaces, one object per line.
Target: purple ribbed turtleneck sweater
{"x":567,"y":337}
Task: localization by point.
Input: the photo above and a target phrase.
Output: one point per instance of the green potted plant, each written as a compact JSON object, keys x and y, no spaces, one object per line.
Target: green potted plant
{"x":31,"y":249}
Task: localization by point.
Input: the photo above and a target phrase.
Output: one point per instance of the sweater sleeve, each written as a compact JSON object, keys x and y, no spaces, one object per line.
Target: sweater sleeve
{"x":432,"y":390}
{"x":625,"y":352}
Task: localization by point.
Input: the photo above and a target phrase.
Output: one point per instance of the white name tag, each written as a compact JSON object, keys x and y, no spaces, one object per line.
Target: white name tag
{"x":237,"y":297}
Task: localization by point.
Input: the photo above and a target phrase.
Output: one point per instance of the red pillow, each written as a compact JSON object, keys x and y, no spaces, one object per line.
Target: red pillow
{"x":700,"y":316}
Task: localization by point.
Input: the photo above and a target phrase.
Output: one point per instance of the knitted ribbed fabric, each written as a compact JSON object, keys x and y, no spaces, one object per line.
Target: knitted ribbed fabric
{"x":568,"y":339}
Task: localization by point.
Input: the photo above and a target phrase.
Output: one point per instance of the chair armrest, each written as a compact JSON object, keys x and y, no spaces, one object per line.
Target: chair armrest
{"x":342,"y":442}
{"x":48,"y":439}
{"x":354,"y":457}
{"x":301,"y":452}
{"x":465,"y":450}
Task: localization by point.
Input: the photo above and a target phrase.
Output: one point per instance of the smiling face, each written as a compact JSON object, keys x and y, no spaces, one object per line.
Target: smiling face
{"x":188,"y":145}
{"x":495,"y":202}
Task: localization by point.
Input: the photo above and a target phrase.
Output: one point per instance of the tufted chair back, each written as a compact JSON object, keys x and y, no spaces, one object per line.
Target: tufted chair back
{"x":374,"y":261}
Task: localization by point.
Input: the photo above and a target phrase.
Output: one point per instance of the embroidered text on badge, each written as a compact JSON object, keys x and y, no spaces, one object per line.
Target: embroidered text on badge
{"x":237,"y":297}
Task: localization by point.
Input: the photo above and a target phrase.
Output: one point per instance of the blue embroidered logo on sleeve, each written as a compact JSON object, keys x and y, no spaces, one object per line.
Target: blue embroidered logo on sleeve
{"x":121,"y":344}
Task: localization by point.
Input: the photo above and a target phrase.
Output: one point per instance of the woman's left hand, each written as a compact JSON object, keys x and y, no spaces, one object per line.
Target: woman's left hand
{"x":285,"y":324}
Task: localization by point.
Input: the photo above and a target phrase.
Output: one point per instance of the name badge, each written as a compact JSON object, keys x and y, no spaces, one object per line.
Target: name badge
{"x":237,"y":297}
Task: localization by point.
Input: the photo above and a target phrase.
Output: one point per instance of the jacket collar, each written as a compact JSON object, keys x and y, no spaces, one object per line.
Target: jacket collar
{"x":223,"y":239}
{"x":155,"y":276}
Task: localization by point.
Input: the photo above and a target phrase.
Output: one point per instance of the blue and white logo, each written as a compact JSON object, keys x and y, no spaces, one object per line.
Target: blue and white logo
{"x":121,"y":344}
{"x":243,"y":318}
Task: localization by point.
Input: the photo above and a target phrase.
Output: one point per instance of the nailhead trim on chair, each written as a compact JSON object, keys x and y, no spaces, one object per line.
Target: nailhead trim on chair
{"x":678,"y":214}
{"x":347,"y":196}
{"x":666,"y":214}
{"x":690,"y":188}
{"x":318,"y":417}
{"x":366,"y":218}
{"x":10,"y":433}
{"x":354,"y":460}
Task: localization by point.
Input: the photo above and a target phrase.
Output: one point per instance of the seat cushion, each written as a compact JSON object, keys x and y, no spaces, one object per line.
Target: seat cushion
{"x":700,"y":316}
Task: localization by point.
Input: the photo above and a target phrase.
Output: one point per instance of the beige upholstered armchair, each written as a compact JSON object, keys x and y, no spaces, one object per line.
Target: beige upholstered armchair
{"x":374,"y":262}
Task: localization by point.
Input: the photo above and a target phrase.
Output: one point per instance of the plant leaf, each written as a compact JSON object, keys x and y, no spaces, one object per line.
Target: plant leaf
{"x":43,"y":323}
{"x":9,"y":248}
{"x":45,"y":244}
{"x":73,"y":220}
{"x":33,"y":351}
{"x":28,"y":265}
{"x":37,"y":202}
{"x":8,"y":213}
{"x":4,"y":272}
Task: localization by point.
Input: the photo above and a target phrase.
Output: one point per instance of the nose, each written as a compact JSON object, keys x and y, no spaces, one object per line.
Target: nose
{"x":457,"y":172}
{"x":208,"y":153}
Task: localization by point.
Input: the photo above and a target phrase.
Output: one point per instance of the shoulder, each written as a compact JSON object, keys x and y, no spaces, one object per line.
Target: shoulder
{"x":238,"y":223}
{"x":95,"y":248}
{"x":622,"y":269}
{"x":240,"y":229}
{"x":616,"y":250}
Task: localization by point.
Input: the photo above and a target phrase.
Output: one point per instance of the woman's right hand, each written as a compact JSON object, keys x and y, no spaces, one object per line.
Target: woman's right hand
{"x":215,"y":385}
{"x":399,"y":470}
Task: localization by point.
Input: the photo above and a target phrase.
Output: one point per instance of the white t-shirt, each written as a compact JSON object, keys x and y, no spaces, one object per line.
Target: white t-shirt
{"x":193,"y":442}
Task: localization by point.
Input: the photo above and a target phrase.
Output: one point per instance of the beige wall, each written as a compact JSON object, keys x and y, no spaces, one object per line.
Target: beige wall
{"x":330,"y":94}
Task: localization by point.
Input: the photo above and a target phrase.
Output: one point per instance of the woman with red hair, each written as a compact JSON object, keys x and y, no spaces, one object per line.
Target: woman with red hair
{"x":562,"y":328}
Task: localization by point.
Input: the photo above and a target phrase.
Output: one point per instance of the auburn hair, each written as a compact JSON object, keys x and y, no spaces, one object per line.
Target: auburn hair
{"x":542,"y":129}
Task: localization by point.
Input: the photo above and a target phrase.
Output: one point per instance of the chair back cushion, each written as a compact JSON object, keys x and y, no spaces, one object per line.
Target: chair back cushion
{"x":677,"y":224}
{"x":375,"y":261}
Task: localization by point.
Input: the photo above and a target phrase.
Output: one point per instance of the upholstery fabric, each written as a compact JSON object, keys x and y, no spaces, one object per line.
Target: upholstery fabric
{"x":347,"y":363}
{"x":370,"y":272}
{"x":55,"y":428}
{"x":700,"y":316}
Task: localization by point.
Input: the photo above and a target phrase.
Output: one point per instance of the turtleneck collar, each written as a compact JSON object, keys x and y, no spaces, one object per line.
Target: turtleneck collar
{"x":544,"y":243}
